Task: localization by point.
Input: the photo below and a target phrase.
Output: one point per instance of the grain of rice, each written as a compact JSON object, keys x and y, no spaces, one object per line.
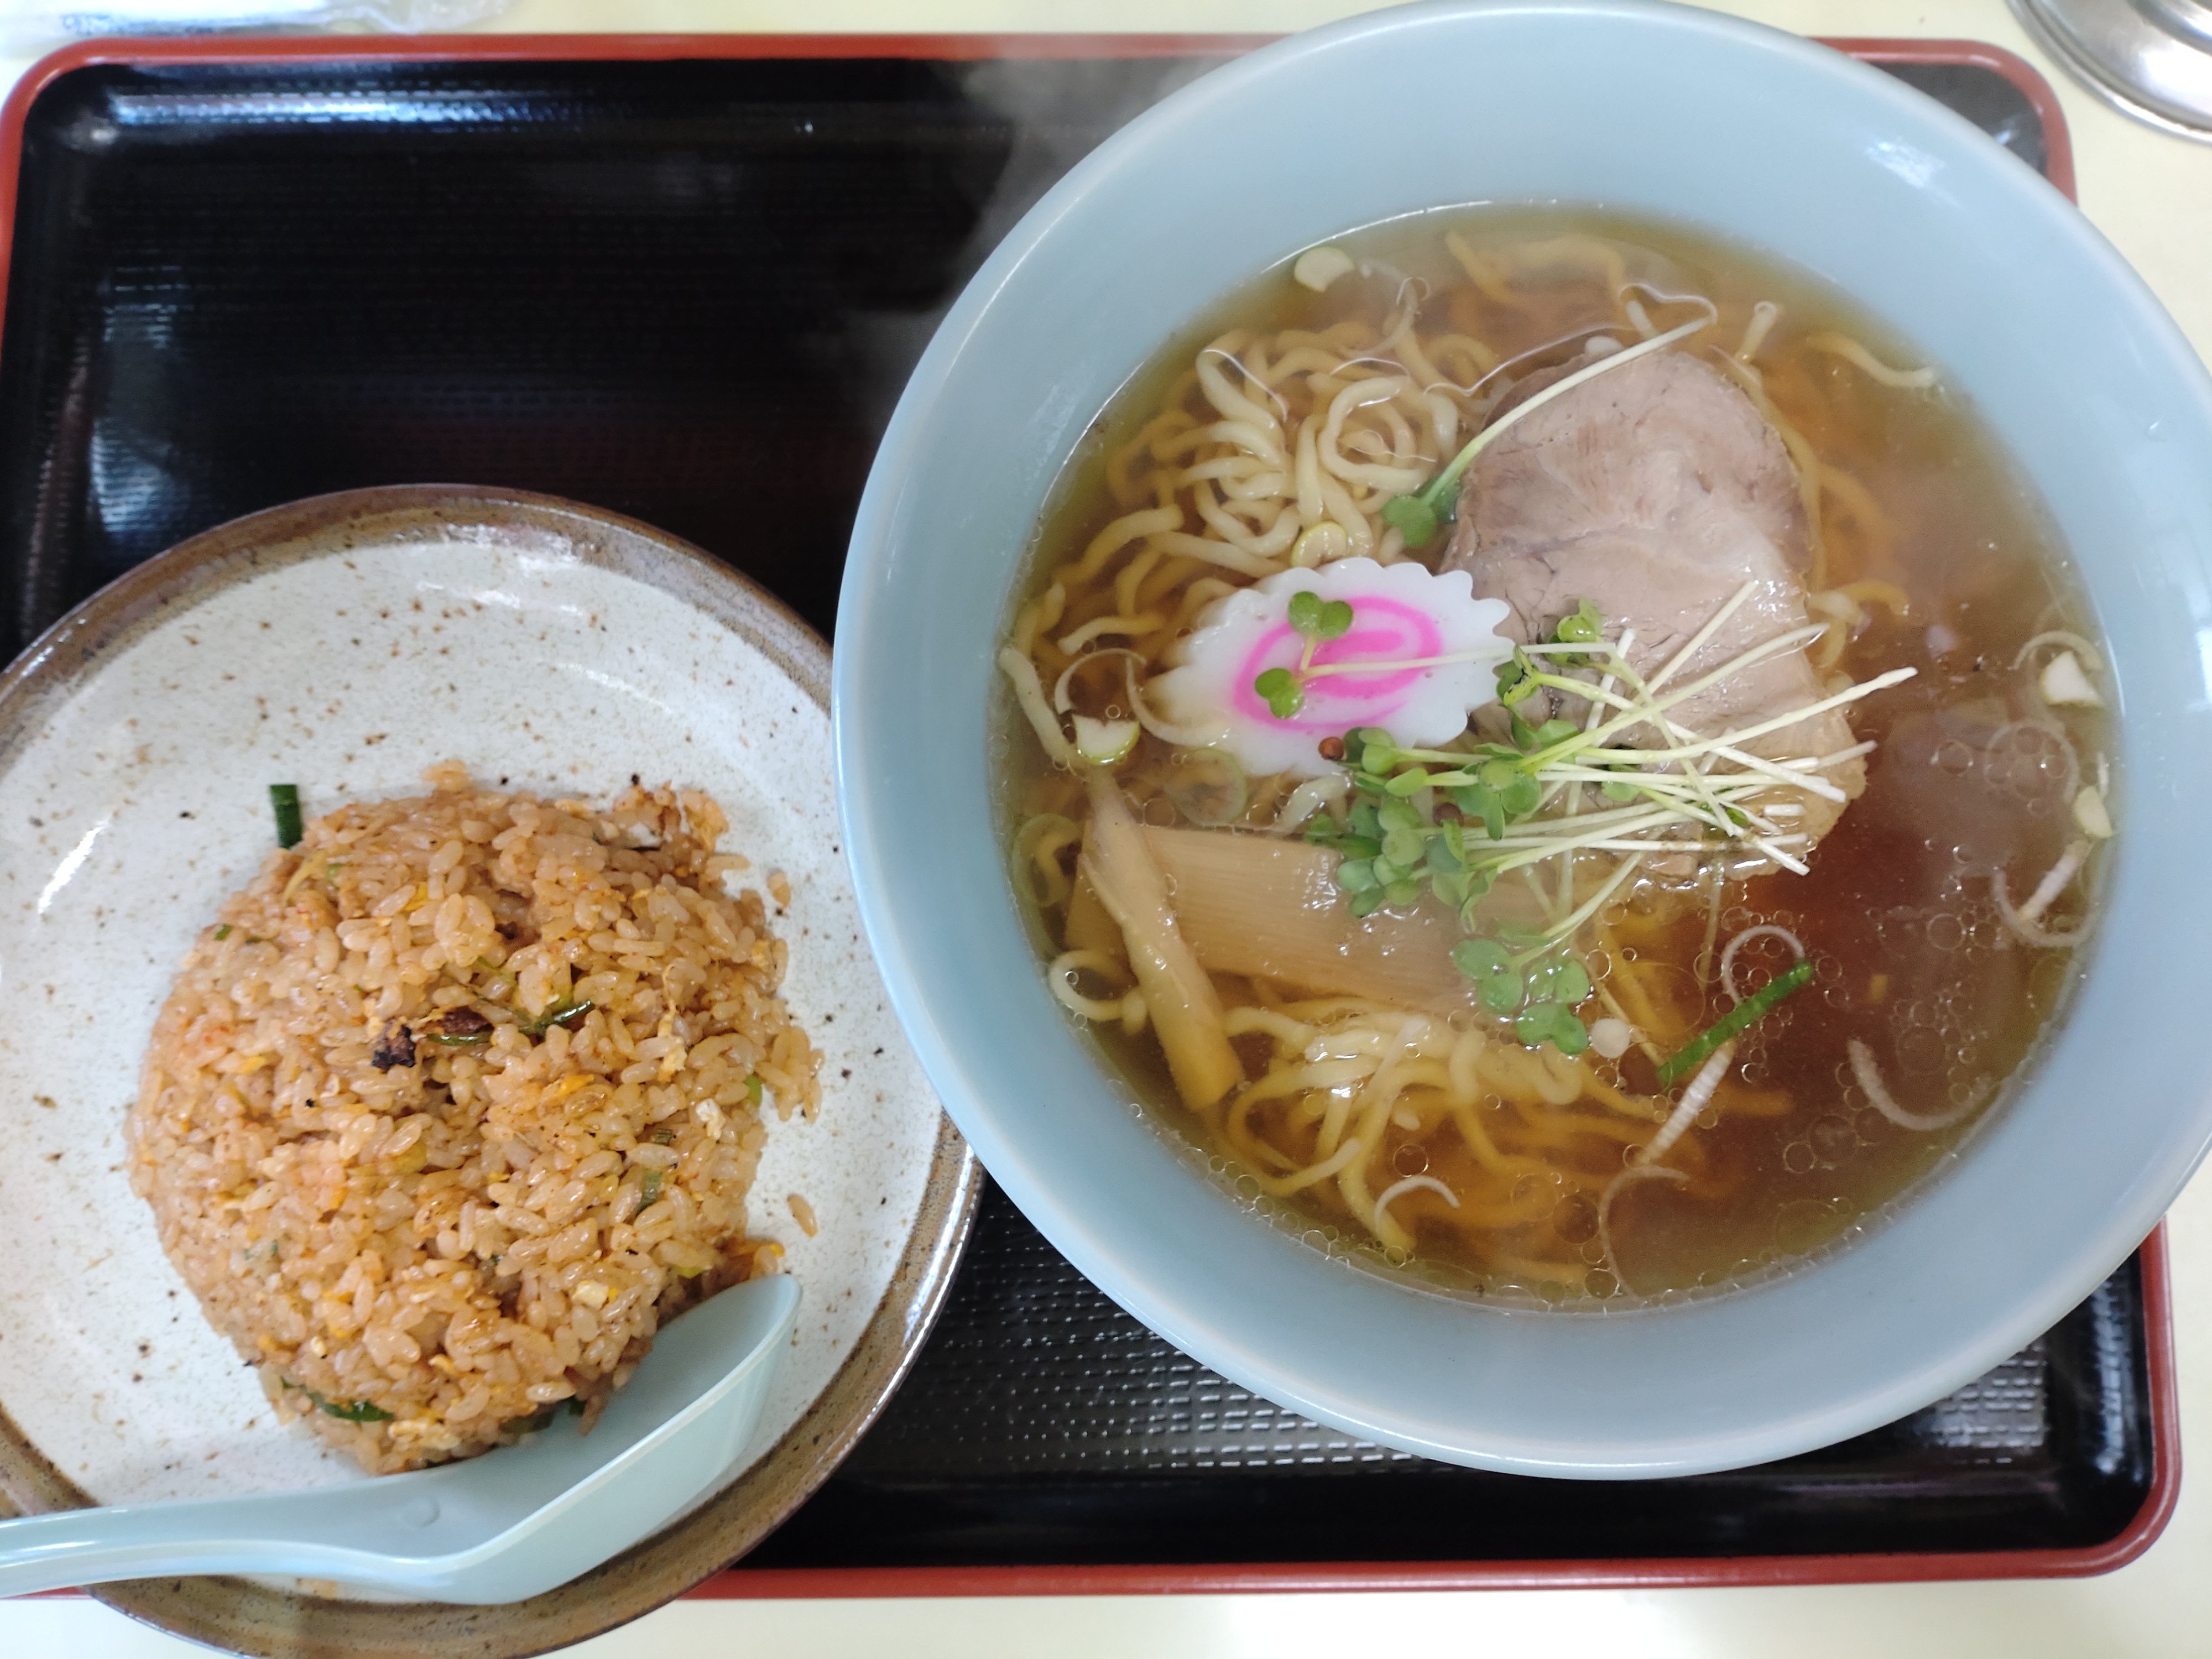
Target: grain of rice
{"x":425,"y":1211}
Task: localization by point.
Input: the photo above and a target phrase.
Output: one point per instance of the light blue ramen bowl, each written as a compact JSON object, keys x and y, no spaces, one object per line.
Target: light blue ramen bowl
{"x":1767,"y":140}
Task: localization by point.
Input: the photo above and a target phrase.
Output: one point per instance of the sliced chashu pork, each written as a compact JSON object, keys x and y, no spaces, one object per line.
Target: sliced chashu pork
{"x":1657,"y":491}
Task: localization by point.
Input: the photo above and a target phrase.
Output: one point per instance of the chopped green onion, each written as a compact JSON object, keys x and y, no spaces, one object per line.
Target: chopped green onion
{"x":648,"y":1188}
{"x":753,"y":1090}
{"x":562,"y":1013}
{"x":1105,"y":742}
{"x":222,"y":933}
{"x":284,"y":800}
{"x":1208,"y":787}
{"x":359,"y":1411}
{"x":1759,"y":1003}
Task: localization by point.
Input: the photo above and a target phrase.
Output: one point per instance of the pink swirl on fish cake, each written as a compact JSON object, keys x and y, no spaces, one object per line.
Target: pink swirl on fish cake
{"x":1384,"y":630}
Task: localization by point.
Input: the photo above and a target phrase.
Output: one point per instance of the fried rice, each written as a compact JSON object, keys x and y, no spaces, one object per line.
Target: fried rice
{"x":459,"y":1101}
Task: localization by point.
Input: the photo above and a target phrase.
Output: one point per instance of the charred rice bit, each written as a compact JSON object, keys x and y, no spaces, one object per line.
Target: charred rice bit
{"x":426,"y":1245}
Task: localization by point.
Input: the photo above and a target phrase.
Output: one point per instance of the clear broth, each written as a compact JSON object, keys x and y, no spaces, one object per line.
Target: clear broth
{"x":1898,"y":914}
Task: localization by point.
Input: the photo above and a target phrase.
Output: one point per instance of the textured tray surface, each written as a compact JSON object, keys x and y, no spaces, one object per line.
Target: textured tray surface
{"x":1043,"y":1425}
{"x":690,"y":291}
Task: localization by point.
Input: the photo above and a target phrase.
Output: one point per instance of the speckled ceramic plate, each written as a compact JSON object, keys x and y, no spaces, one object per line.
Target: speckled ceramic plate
{"x":344,"y":644}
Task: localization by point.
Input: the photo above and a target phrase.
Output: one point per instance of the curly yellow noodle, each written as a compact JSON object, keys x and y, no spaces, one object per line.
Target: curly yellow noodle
{"x":1486,"y":271}
{"x":1289,"y":1033}
{"x":1132,"y":576}
{"x":1283,"y":1186}
{"x":1872,"y":590}
{"x":1555,"y":1124}
{"x":1236,"y":1129}
{"x":1485,"y":1150}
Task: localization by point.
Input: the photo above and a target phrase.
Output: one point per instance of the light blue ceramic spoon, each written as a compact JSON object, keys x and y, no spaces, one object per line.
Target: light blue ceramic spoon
{"x":498,"y":1528}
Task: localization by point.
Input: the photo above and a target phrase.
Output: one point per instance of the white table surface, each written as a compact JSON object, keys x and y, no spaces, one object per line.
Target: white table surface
{"x":2152,"y":195}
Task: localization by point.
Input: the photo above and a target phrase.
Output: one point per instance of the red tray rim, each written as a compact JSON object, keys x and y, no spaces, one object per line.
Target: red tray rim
{"x":1641,"y":1573}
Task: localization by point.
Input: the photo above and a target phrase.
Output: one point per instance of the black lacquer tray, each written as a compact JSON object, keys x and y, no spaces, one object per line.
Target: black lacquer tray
{"x":685,"y":281}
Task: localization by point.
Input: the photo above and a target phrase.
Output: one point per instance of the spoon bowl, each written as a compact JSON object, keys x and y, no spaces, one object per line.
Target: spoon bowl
{"x":510,"y":1524}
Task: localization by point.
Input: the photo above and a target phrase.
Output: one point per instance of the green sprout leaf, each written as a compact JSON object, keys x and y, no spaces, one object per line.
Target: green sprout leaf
{"x":1561,"y":980}
{"x":1478,"y":804}
{"x":1497,"y":980}
{"x":1586,"y":626}
{"x":1551,"y":1022}
{"x":1280,"y":691}
{"x":1412,"y":518}
{"x":1403,"y":848}
{"x":1356,"y":875}
{"x":1516,"y":678}
{"x":1378,"y":753}
{"x":1398,"y":815}
{"x":1310,"y":617}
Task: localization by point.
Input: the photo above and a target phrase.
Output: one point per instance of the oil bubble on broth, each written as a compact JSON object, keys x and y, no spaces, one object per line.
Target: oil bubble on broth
{"x":1556,"y":755}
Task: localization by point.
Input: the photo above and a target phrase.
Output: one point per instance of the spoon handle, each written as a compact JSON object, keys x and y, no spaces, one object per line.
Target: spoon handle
{"x":98,"y":1545}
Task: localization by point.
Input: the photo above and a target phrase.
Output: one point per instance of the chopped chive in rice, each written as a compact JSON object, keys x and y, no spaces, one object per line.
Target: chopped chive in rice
{"x":284,"y":801}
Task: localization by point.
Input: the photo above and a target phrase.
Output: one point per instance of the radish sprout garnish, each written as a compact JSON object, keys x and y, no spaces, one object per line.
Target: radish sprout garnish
{"x":1452,"y":820}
